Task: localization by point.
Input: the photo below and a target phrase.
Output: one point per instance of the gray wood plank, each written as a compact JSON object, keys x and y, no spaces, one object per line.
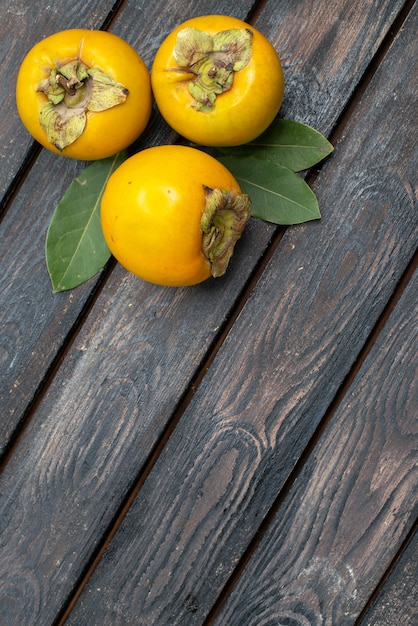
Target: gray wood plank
{"x":351,"y":508}
{"x":34,"y":322}
{"x":267,"y":390}
{"x":397,"y":601}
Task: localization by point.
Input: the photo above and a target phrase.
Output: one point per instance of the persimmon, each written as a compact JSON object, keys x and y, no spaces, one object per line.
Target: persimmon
{"x":84,"y":93}
{"x":217,"y":81}
{"x":172,"y":215}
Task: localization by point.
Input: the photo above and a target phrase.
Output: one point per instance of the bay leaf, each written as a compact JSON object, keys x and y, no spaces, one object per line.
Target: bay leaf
{"x":75,"y":248}
{"x":277,"y":194}
{"x":288,"y":143}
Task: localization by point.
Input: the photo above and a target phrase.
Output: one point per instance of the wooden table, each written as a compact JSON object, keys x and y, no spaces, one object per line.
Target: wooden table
{"x":243,"y":452}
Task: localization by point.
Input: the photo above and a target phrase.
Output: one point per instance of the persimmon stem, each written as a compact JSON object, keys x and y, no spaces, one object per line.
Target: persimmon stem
{"x":71,"y":90}
{"x":67,"y":84}
{"x":223,"y":221}
{"x":212,"y":61}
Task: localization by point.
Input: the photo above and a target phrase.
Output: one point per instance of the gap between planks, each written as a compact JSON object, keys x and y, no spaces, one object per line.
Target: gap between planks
{"x":379,"y":588}
{"x":111,"y":16}
{"x":257,"y":8}
{"x":13,"y":189}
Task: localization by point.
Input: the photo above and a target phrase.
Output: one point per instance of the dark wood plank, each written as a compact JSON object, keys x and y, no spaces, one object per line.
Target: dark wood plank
{"x":397,"y":602}
{"x":34,"y":321}
{"x":349,"y":511}
{"x":157,"y":19}
{"x":134,"y":358}
{"x":323,"y":52}
{"x":274,"y":378}
{"x":22,"y":25}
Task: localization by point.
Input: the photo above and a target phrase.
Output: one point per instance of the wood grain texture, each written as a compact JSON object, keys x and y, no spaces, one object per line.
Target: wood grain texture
{"x":34,"y":322}
{"x":22,"y":25}
{"x":89,"y":438}
{"x":322,"y":50}
{"x":135,"y":356}
{"x":397,"y":602}
{"x":349,"y":511}
{"x":273,"y":379}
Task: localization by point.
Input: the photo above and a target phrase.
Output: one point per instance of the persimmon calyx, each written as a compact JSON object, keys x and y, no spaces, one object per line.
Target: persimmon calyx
{"x":72,"y":90}
{"x":223,"y":221}
{"x":212,"y":61}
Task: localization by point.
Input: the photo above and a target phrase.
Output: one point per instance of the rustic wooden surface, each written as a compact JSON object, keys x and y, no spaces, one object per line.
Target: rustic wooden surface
{"x":243,"y":452}
{"x":397,"y":602}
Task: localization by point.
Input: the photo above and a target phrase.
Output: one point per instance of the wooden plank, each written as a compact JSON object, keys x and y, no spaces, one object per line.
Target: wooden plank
{"x":22,"y":25}
{"x":323,"y":51}
{"x":123,"y":376}
{"x":355,"y":501}
{"x":29,"y":349}
{"x":397,"y":602}
{"x":34,"y":322}
{"x":158,"y":19}
{"x":274,"y":377}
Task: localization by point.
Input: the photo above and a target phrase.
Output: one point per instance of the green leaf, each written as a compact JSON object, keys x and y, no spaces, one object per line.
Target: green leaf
{"x":277,"y":194}
{"x":75,"y":247}
{"x":288,"y":143}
